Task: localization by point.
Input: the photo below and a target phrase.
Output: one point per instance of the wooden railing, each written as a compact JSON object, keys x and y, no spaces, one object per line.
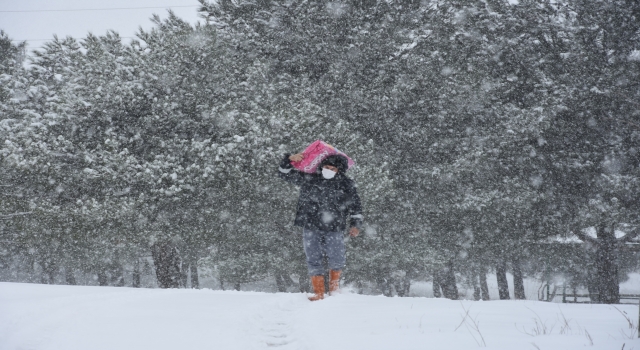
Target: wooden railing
{"x":593,"y":297}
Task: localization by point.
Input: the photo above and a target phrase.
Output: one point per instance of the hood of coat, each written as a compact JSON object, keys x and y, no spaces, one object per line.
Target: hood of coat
{"x":337,"y":161}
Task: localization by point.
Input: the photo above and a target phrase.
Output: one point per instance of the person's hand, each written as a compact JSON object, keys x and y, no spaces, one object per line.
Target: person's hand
{"x":354,"y":231}
{"x":296,"y":157}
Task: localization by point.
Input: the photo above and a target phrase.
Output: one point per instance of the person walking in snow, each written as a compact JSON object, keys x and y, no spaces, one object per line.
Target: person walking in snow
{"x":328,"y":201}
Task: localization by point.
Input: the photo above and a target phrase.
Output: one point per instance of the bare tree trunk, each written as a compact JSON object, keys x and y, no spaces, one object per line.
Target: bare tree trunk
{"x":167,"y":262}
{"x":69,"y":278}
{"x":384,"y":284}
{"x":607,"y":266}
{"x":402,"y":286}
{"x":49,"y":270}
{"x":280,"y":283}
{"x":193,"y":265}
{"x":102,"y":276}
{"x":484,"y":287}
{"x":474,"y":278}
{"x":445,"y":279}
{"x":236,"y":286}
{"x":503,"y":285}
{"x":190,"y":268}
{"x":30,"y":265}
{"x":437,"y":284}
{"x":518,"y":280}
{"x":184,"y":274}
{"x":117,"y":275}
{"x":592,"y":284}
{"x":359,"y":287}
{"x":303,"y":282}
{"x":450,"y":289}
{"x":136,"y":274}
{"x":476,"y":292}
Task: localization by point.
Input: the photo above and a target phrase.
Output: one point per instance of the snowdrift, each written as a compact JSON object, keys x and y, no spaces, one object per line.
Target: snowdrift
{"x":71,"y":317}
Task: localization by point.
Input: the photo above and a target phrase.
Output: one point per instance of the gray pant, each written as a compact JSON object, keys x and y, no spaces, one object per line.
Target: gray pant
{"x":319,"y":243}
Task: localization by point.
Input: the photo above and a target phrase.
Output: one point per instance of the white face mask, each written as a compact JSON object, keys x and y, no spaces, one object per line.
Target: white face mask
{"x":328,"y":174}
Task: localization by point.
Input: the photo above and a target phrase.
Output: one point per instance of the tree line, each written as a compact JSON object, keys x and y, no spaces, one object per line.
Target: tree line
{"x":484,"y":132}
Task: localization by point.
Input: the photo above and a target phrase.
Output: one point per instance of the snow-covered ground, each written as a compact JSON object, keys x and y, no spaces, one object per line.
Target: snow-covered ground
{"x":72,"y":317}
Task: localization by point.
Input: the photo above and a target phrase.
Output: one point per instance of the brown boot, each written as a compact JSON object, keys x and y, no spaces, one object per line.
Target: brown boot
{"x":318,"y":287}
{"x":334,"y":281}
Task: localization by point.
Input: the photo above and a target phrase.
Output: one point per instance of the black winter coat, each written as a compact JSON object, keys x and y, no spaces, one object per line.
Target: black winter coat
{"x":323,"y":204}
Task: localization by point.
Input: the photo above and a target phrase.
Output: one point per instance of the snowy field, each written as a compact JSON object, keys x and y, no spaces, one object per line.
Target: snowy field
{"x":43,"y":317}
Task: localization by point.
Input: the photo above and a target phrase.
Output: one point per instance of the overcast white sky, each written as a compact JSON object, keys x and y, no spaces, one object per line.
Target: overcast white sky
{"x":35,"y":26}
